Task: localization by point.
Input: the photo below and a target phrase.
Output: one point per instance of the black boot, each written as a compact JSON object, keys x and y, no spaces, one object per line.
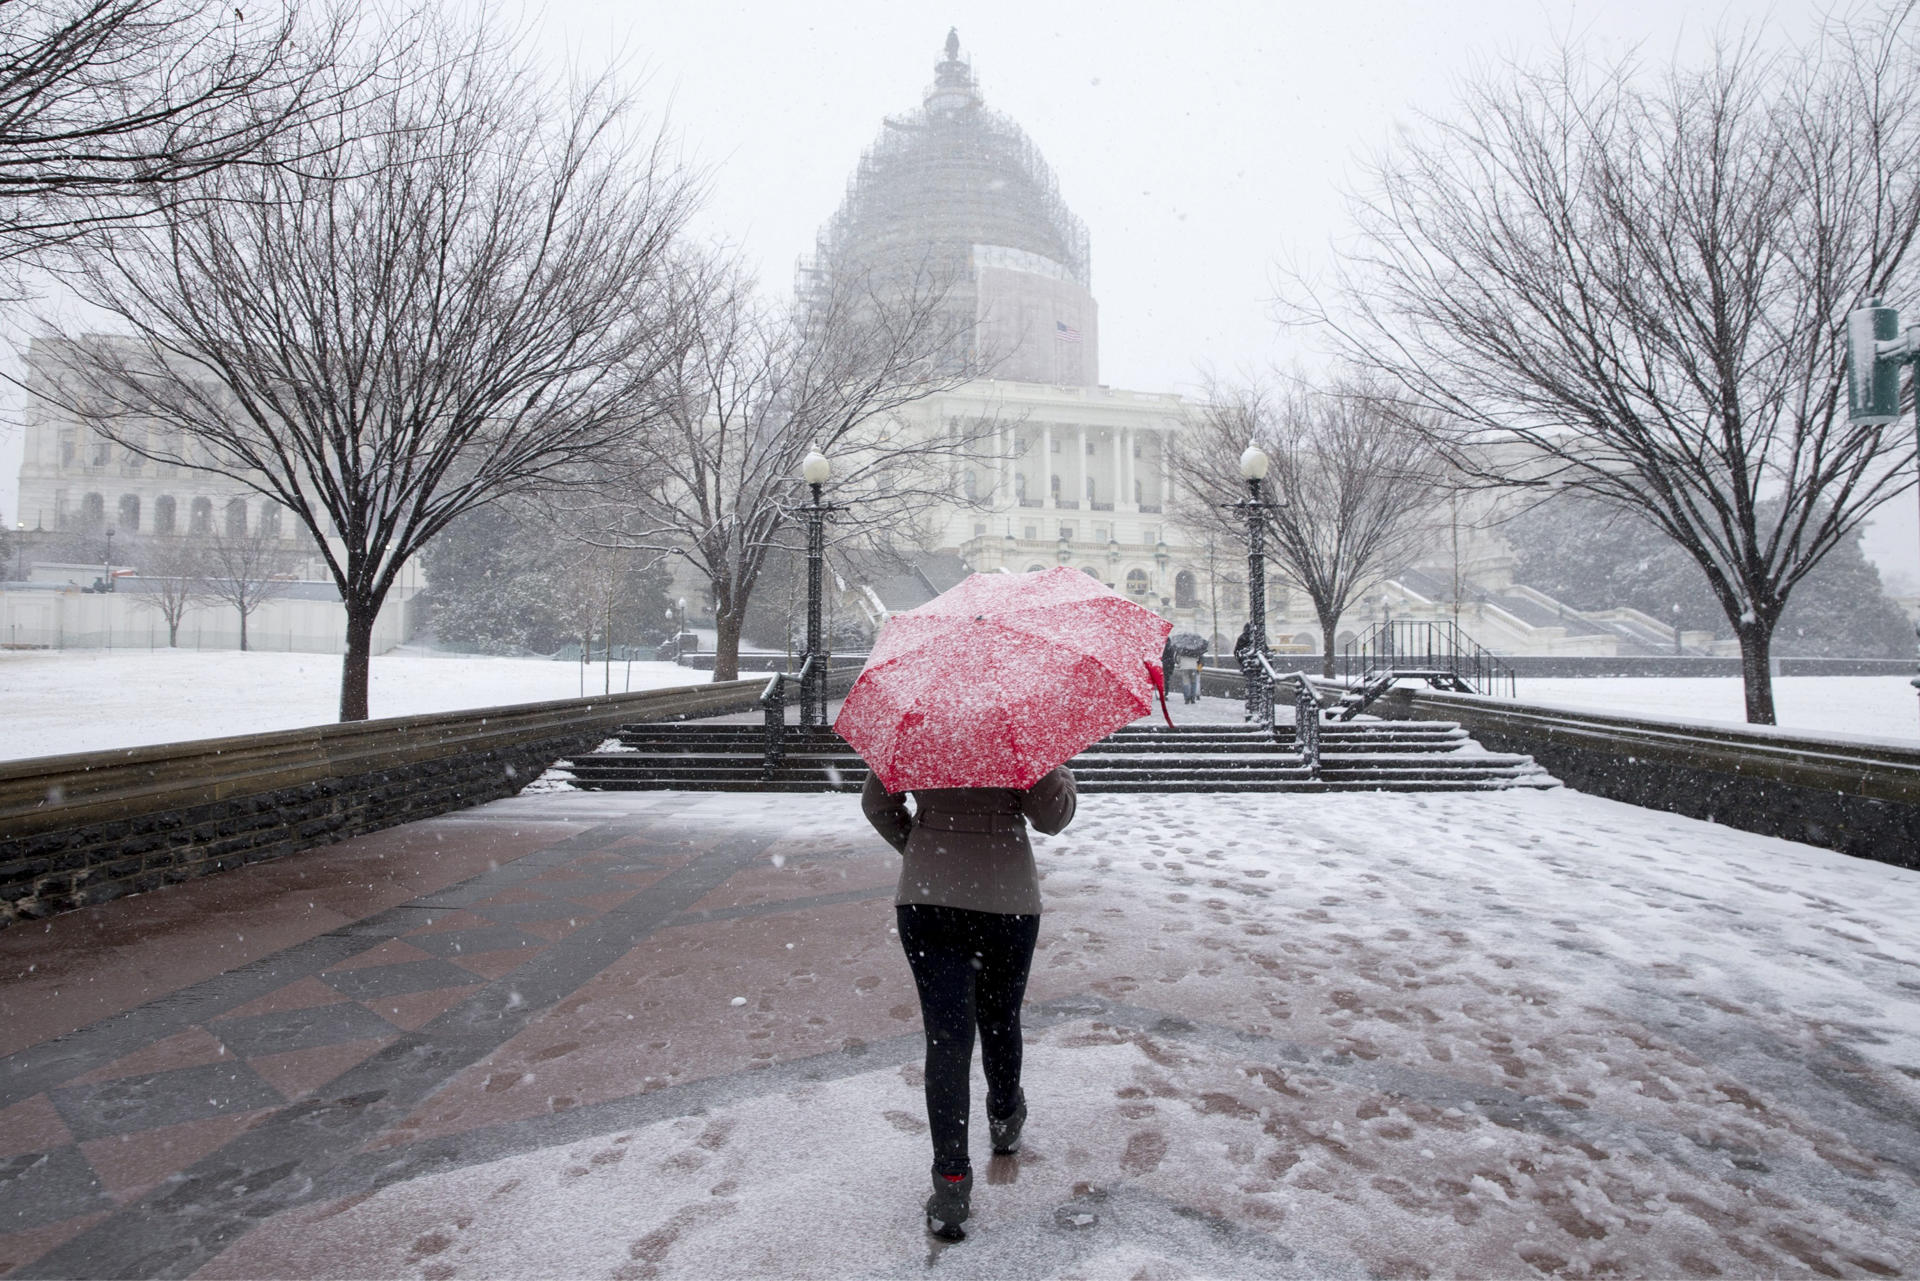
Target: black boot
{"x":950,"y":1205}
{"x":1005,"y":1130}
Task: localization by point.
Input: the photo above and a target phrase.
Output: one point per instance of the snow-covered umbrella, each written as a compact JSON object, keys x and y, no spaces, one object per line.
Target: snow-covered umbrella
{"x":998,"y":680}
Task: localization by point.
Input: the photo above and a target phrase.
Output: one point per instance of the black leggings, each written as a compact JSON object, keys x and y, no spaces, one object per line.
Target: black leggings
{"x":971,"y":969}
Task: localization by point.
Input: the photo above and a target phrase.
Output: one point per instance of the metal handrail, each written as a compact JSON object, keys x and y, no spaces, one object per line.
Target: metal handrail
{"x":773,"y":699}
{"x":1272,"y":679}
{"x":1398,"y":644}
{"x":1306,"y":718}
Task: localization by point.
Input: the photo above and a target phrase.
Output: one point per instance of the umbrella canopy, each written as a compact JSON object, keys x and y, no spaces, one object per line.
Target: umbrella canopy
{"x":1188,"y":643}
{"x":998,"y":680}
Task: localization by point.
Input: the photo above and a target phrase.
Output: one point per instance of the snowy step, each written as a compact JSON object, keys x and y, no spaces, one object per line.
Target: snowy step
{"x":1357,"y":755}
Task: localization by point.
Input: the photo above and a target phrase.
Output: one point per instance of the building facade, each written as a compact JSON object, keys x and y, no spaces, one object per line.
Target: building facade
{"x":86,"y":500}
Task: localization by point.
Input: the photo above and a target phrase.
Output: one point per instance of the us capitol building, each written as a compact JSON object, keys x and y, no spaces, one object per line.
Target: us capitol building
{"x":1076,"y":472}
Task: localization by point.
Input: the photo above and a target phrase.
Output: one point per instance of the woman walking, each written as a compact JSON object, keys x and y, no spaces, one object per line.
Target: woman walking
{"x":969,"y":912}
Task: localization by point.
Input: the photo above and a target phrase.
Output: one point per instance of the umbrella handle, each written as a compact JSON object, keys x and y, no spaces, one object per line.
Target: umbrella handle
{"x":1159,"y":679}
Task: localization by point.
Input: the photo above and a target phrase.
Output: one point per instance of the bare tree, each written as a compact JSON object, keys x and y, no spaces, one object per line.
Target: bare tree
{"x":1635,"y":286}
{"x":108,"y":106}
{"x":456,"y":304}
{"x":753,"y":388}
{"x":173,"y":579}
{"x":246,"y":569}
{"x":1356,"y":488}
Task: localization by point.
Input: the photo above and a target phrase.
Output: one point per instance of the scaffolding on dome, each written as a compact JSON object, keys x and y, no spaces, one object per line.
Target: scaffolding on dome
{"x":941,"y":181}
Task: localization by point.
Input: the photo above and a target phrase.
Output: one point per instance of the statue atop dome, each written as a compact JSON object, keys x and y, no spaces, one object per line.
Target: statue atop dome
{"x":953,"y":88}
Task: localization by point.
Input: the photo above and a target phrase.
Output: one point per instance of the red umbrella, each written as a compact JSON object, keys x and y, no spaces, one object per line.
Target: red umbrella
{"x":995,"y":682}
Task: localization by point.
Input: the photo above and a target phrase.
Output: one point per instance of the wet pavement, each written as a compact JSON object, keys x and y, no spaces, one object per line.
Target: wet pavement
{"x":671,"y":1034}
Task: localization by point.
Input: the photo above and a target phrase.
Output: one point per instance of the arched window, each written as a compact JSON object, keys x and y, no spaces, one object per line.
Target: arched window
{"x":163,"y":514}
{"x":1035,"y":569}
{"x":1020,"y":486}
{"x":1091,"y":495}
{"x":973,"y":484}
{"x":93,"y":510}
{"x":130,"y":513}
{"x":236,"y":518}
{"x":1091,"y":572}
{"x":1055,"y":481}
{"x":270,"y":520}
{"x":201,"y":521}
{"x":1184,"y":595}
{"x":1136,"y":582}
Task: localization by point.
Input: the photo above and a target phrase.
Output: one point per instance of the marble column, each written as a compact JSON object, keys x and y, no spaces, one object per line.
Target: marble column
{"x":1085,"y":473}
{"x":1003,"y":465}
{"x":1047,"y":465}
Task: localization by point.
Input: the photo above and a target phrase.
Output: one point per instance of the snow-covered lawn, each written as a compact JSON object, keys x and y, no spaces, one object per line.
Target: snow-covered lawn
{"x":1455,"y":1035}
{"x":54,"y":701}
{"x":1870,"y":706}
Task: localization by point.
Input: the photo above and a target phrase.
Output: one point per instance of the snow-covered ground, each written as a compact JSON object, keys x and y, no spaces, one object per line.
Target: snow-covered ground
{"x":54,"y":701}
{"x":1870,"y":706}
{"x":1502,"y":1035}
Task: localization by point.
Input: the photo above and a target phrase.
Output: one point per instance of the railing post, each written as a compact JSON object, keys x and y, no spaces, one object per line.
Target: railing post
{"x":1306,"y":724}
{"x":774,"y":700}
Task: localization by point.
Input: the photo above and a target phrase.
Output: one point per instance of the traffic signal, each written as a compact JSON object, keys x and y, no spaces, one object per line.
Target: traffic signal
{"x":1873,"y":377}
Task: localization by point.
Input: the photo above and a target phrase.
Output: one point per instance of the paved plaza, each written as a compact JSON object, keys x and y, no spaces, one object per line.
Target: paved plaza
{"x":670,"y":1034}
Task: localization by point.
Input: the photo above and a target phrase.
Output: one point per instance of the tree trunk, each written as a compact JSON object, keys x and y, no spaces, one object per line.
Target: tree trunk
{"x":243,"y":636}
{"x":173,"y":633}
{"x":726,"y":646}
{"x":354,"y":664}
{"x":1328,"y":624}
{"x":1756,"y":670}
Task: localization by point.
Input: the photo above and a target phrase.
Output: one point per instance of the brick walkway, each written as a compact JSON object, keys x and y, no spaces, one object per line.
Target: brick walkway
{"x":336,"y":1064}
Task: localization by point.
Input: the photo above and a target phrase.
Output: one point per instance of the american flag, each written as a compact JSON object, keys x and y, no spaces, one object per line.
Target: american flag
{"x":1065,"y":332}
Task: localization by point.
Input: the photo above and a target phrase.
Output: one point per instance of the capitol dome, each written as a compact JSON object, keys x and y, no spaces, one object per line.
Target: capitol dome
{"x":959,"y":191}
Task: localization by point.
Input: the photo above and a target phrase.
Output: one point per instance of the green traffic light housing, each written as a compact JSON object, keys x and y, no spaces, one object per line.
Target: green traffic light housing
{"x":1873,"y":371}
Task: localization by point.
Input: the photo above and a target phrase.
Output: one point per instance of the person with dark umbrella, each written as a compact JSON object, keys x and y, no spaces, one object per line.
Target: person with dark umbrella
{"x":969,"y":913}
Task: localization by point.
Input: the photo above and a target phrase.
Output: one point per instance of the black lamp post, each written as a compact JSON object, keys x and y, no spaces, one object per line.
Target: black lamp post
{"x":1253,"y":466}
{"x":813,"y":690}
{"x":106,"y":579}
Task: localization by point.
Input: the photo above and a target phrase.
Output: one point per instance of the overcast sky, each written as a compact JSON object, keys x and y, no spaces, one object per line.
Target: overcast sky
{"x":1202,"y":144}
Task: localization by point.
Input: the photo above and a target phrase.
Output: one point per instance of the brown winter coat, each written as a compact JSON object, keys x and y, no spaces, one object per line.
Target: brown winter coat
{"x":967,"y":846}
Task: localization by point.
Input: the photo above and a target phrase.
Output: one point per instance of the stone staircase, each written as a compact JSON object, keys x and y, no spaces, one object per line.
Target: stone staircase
{"x":1394,"y":756}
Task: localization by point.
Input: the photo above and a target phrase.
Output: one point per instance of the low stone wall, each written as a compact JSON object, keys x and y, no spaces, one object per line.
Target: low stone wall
{"x":93,"y":826}
{"x":1858,"y":798}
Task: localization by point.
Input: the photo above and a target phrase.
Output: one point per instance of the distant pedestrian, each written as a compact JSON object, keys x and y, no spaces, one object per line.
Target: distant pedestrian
{"x":1189,"y":670}
{"x":968,"y":908}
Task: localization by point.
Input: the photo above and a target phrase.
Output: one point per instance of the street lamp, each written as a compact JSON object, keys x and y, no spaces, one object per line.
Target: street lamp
{"x":1253,"y":468}
{"x":813,"y":689}
{"x":1676,"y":631}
